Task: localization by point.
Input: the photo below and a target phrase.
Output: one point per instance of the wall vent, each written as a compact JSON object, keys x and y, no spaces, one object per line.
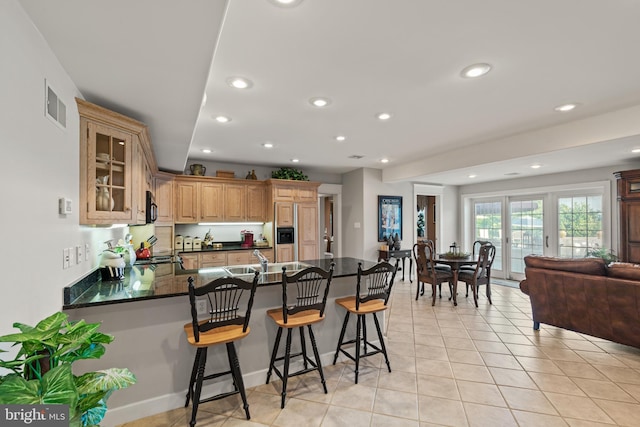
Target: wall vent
{"x":54,"y":108}
{"x":356,"y":156}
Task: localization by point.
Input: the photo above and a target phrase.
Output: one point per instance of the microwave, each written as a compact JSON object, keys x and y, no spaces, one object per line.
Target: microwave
{"x":285,"y":235}
{"x":151,"y":209}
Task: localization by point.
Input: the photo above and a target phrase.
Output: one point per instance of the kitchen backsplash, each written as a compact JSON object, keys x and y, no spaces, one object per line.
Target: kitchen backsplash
{"x":221,"y":233}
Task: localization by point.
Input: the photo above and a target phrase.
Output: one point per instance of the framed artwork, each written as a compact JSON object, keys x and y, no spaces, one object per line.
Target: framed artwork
{"x":389,"y":217}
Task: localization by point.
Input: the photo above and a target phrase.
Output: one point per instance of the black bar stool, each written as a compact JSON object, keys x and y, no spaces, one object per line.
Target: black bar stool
{"x":371,"y":297}
{"x":229,"y":300}
{"x":302,"y":307}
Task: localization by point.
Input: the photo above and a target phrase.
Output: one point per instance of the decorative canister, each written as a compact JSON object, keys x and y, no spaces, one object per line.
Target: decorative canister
{"x":198,"y":169}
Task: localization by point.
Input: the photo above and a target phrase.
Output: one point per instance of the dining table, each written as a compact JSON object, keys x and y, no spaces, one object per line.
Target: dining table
{"x":455,"y":263}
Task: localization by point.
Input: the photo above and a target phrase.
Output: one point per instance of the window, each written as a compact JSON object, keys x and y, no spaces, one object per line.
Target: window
{"x":579,"y":225}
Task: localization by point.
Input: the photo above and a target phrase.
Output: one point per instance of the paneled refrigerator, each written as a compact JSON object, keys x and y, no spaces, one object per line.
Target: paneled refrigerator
{"x":296,"y":231}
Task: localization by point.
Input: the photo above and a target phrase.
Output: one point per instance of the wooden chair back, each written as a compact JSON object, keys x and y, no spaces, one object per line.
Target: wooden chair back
{"x":307,"y":289}
{"x":375,"y":282}
{"x":229,"y":302}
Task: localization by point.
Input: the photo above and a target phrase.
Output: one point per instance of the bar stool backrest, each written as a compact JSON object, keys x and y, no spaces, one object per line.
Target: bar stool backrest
{"x":229,"y":302}
{"x":378,"y":281}
{"x":311,"y":290}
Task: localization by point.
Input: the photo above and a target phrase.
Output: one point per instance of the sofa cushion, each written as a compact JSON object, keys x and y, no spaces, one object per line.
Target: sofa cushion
{"x":594,"y":266}
{"x":624,"y":270}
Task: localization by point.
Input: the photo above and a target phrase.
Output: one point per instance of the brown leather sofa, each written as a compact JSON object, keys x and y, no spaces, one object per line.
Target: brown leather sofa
{"x":585,"y":295}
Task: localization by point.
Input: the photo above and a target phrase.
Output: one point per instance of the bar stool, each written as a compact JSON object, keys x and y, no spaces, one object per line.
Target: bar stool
{"x":370,"y":300}
{"x":229,"y":301}
{"x":302,"y":307}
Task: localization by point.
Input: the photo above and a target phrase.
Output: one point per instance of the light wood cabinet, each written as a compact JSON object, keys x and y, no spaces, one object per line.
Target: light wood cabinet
{"x":211,"y":199}
{"x":629,"y":210}
{"x":116,"y":164}
{"x":239,"y":257}
{"x":235,"y":202}
{"x":308,"y":231}
{"x":217,"y":200}
{"x":256,"y":203}
{"x":190,"y":261}
{"x":286,"y":253}
{"x":284,"y":214}
{"x":213,"y":259}
{"x":164,"y":198}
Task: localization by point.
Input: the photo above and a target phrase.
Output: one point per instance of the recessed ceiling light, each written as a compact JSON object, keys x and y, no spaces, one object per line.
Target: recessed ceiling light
{"x":239,"y":82}
{"x":384,"y":161}
{"x":340,"y":138}
{"x":320,"y":102}
{"x":536,"y":166}
{"x":565,"y":107}
{"x":206,"y":150}
{"x":286,"y":3}
{"x":267,"y":145}
{"x":295,"y":160}
{"x":384,"y":116}
{"x":223,"y":119}
{"x":636,"y":150}
{"x":475,"y":70}
{"x":472,"y":175}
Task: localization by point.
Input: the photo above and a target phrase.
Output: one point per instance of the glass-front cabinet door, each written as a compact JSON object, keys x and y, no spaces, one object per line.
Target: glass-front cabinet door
{"x":109,"y":184}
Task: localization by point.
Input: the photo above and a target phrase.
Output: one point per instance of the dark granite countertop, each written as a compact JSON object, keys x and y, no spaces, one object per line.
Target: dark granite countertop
{"x":152,"y":281}
{"x":225,"y":247}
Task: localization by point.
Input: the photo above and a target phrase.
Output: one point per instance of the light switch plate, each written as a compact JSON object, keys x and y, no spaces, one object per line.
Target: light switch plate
{"x":87,"y":248}
{"x":79,"y":254}
{"x":201,"y":306}
{"x":66,"y":258}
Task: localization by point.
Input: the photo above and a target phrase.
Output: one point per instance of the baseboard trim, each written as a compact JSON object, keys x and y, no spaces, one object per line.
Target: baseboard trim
{"x":167,"y":402}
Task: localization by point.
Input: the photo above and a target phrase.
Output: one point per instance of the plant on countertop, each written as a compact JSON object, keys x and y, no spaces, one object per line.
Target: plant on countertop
{"x":606,"y":254}
{"x":41,"y":371}
{"x":289,"y":173}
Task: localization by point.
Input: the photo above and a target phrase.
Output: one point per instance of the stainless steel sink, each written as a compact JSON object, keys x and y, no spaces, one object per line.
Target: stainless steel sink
{"x":290,"y":266}
{"x":239,"y":270}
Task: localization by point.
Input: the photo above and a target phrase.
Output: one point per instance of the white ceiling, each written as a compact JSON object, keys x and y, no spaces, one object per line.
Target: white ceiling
{"x":155,"y":59}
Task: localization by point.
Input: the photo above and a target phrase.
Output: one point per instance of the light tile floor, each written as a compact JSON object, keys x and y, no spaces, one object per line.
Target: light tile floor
{"x":454,"y":366}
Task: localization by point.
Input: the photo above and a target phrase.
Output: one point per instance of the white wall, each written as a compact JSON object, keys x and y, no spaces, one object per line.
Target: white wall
{"x":39,"y":165}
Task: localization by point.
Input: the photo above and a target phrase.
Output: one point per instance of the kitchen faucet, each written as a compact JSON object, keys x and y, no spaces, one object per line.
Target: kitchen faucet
{"x":264,"y":262}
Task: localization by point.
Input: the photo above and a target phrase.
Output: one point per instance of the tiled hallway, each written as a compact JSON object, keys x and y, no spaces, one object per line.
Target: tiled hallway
{"x":453,"y":366}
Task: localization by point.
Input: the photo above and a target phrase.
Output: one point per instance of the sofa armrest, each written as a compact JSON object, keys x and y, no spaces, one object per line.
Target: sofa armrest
{"x":524,"y":286}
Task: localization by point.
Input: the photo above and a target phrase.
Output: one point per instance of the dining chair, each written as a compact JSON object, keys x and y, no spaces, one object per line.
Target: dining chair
{"x":304,"y":297}
{"x":475,"y":252}
{"x":373,"y":289}
{"x":481,"y":275}
{"x":229,"y":301}
{"x":427,"y":272}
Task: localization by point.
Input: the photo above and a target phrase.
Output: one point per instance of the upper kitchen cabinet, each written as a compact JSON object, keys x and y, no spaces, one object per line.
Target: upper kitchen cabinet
{"x":116,"y":164}
{"x":164,"y":198}
{"x":207,"y":199}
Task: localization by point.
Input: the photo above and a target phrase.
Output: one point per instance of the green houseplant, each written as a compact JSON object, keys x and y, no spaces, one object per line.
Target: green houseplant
{"x":289,"y":173}
{"x":41,"y":372}
{"x":606,"y":254}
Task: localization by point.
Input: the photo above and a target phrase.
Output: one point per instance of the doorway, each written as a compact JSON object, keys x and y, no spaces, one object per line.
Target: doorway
{"x":426,"y":224}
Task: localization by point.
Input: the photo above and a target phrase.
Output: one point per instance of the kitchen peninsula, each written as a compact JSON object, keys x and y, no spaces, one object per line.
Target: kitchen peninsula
{"x":150,"y":340}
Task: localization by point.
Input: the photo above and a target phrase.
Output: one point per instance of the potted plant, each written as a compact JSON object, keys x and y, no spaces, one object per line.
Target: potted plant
{"x":606,"y":254}
{"x":41,"y":371}
{"x":289,"y":173}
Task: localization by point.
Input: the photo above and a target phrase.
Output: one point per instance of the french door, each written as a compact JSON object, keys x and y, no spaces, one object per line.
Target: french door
{"x":564,"y":223}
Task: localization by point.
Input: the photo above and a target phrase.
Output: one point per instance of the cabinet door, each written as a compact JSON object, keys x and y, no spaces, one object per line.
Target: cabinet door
{"x":235,"y":202}
{"x":164,"y":200}
{"x":284,"y":253}
{"x":284,"y":194}
{"x":140,"y":170}
{"x":186,"y":206}
{"x":106,"y":175}
{"x":284,"y":214}
{"x":213,"y":259}
{"x":269,"y":254}
{"x":190,"y":261}
{"x":256,"y":200}
{"x":307,"y":195}
{"x":211,"y":202}
{"x":238,"y":257}
{"x":630,"y":231}
{"x":308,"y":231}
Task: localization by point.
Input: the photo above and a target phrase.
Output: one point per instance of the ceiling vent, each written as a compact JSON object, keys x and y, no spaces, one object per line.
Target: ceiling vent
{"x":54,"y":108}
{"x":511,"y":174}
{"x":356,"y":156}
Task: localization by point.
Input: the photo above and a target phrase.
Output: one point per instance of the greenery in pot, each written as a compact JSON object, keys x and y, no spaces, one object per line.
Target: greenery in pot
{"x":606,"y":254}
{"x":289,"y":173}
{"x":41,"y":371}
